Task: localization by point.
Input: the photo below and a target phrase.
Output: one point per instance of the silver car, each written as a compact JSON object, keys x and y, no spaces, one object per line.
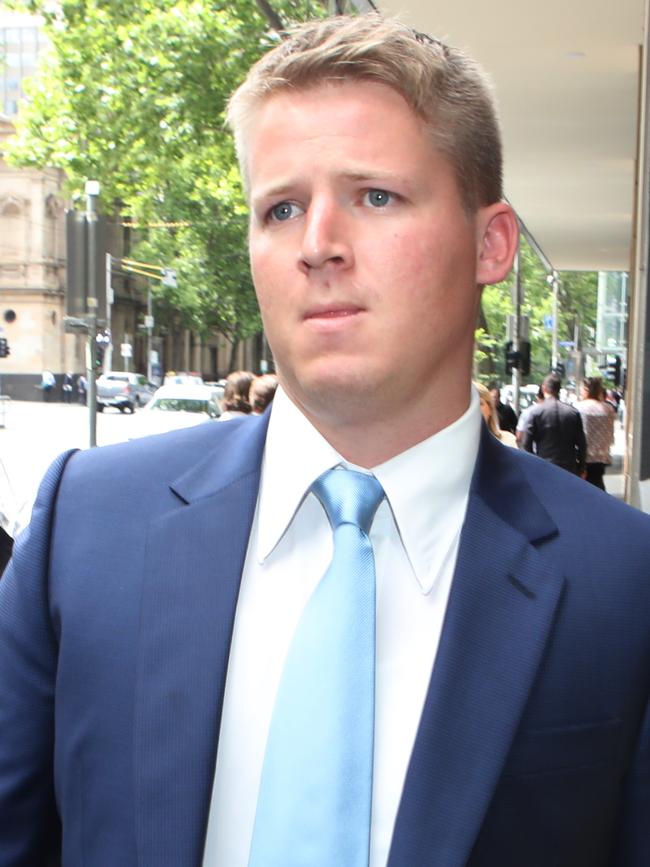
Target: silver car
{"x":123,"y":390}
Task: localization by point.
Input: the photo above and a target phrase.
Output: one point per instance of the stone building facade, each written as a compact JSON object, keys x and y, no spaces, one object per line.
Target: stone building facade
{"x":32,"y":277}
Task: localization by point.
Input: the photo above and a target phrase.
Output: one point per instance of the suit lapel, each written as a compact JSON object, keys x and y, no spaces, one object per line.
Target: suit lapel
{"x":195,"y":556}
{"x":501,"y":608}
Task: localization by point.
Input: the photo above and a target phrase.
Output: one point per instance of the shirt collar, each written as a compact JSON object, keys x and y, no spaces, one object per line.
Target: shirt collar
{"x":426,"y":486}
{"x":295,"y":455}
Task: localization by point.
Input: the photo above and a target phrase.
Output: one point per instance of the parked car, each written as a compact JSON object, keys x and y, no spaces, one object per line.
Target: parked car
{"x":123,"y":390}
{"x":176,"y":406}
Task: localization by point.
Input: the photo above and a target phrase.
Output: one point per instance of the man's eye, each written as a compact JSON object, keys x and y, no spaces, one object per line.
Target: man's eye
{"x":284,"y":211}
{"x":378,"y":198}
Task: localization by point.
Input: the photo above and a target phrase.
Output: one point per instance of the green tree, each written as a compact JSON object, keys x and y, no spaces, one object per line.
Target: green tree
{"x":134,"y":95}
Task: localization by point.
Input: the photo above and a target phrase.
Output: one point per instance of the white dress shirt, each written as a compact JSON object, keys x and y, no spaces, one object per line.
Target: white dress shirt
{"x":415,"y":538}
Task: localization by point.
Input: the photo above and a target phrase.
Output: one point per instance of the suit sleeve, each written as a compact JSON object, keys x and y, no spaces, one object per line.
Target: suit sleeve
{"x":29,"y":824}
{"x":633,"y":848}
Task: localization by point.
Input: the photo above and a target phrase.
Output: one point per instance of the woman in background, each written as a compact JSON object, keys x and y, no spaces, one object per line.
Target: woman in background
{"x":489,"y":412}
{"x":235,"y":396}
{"x":598,"y":422}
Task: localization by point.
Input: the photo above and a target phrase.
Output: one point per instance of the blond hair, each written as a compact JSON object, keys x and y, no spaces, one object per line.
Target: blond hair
{"x":493,"y":419}
{"x":442,"y":85}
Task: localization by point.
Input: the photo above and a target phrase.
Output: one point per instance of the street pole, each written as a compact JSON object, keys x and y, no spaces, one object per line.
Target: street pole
{"x":579,"y":356}
{"x":108,"y":353}
{"x":92,"y":192}
{"x":149,"y":328}
{"x":516,"y":328}
{"x":555,"y":282}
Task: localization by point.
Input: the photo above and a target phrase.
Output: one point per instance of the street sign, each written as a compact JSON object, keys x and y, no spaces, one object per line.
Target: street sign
{"x":548,"y":322}
{"x":74,"y":323}
{"x":169,"y":278}
{"x":148,"y":321}
{"x":126,"y":350}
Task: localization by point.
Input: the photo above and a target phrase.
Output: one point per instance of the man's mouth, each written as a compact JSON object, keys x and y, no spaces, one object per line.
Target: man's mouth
{"x":333,"y":311}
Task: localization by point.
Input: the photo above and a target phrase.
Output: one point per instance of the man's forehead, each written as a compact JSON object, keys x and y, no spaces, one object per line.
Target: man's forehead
{"x":369,"y":118}
{"x":328,"y":93}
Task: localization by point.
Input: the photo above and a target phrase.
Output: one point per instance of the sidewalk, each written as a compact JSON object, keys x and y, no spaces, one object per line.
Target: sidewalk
{"x":614,"y":479}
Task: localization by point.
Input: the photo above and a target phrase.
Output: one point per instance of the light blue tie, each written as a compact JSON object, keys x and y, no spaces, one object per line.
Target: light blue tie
{"x":313,"y":807}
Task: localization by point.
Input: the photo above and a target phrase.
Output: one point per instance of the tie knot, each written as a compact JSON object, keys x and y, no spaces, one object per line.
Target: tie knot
{"x":349,"y":497}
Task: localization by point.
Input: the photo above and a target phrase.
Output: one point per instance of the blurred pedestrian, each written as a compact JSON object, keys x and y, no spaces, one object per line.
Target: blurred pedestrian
{"x":523,"y":416}
{"x":554,"y":430}
{"x":48,"y":382}
{"x":489,"y":413}
{"x":235,"y":396}
{"x":613,"y":399}
{"x":505,"y":413}
{"x":262,"y":392}
{"x":67,"y":387}
{"x":598,"y":423}
{"x":82,"y":388}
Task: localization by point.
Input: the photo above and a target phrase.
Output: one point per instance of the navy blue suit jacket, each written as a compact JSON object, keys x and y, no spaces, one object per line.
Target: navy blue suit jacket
{"x":116,"y":616}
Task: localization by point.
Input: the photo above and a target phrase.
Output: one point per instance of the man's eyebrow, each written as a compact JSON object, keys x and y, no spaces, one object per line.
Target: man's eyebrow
{"x":374,"y":176}
{"x":393,"y":181}
{"x":283,"y":188}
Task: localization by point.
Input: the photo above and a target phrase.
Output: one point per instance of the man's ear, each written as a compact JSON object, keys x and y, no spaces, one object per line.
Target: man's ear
{"x":498,"y":239}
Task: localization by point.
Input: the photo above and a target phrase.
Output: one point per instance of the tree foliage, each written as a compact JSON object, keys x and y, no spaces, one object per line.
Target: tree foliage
{"x":577,"y":304}
{"x":133,"y":94}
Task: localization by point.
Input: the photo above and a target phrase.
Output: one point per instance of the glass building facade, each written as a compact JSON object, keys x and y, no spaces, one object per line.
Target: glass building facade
{"x":21,"y":42}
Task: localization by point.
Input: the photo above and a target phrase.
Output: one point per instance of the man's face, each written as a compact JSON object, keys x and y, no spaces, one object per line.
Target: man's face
{"x":365,"y":263}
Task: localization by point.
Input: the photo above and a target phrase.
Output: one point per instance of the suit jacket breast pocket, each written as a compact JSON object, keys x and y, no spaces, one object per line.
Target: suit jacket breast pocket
{"x":557,"y":801}
{"x":539,"y":751}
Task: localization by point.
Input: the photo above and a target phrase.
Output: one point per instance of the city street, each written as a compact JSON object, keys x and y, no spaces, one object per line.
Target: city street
{"x":35,"y":433}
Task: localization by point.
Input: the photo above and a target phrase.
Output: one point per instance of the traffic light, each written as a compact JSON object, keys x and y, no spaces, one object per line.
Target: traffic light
{"x":613,"y":371}
{"x":4,"y":347}
{"x":518,"y":359}
{"x":524,"y":351}
{"x":102,"y":341}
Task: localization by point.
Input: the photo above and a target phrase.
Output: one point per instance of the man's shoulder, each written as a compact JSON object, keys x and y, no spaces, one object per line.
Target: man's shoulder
{"x":535,"y":410}
{"x":569,"y":408}
{"x":552,"y":406}
{"x":570,"y":500}
{"x":164,"y":457}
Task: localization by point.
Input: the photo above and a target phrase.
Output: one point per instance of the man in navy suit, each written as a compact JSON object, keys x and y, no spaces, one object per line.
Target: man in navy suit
{"x":147,"y":611}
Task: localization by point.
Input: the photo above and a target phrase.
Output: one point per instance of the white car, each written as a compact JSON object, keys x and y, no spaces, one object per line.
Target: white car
{"x":176,"y":406}
{"x":123,"y":390}
{"x":183,"y":379}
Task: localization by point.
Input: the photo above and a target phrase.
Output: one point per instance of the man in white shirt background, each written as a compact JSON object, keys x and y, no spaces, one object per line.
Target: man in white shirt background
{"x":511,"y":668}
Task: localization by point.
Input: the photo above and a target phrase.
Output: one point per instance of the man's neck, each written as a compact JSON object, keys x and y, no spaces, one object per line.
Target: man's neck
{"x":371,"y":439}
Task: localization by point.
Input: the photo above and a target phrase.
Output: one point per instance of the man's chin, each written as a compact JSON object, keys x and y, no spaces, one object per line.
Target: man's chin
{"x":340,"y":393}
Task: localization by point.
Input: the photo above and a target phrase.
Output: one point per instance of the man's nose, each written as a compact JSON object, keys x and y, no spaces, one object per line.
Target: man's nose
{"x":326,"y":239}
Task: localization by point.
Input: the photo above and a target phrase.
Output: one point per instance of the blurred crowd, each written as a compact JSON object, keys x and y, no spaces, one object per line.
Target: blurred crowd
{"x":575,"y":432}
